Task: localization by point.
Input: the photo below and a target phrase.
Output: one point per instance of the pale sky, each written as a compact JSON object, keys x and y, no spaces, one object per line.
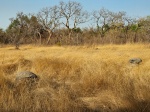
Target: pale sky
{"x":133,"y":8}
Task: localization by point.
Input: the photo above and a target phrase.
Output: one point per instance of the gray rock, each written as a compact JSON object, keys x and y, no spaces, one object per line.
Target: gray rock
{"x":135,"y":61}
{"x":26,"y":74}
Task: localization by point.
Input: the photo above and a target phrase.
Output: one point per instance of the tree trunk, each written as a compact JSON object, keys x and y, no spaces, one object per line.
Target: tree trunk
{"x":16,"y":42}
{"x":135,"y":37}
{"x":49,"y":37}
{"x":70,"y":38}
{"x":40,"y":37}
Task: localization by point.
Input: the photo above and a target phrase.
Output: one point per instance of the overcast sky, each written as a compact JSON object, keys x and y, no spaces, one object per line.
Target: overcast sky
{"x":9,"y":8}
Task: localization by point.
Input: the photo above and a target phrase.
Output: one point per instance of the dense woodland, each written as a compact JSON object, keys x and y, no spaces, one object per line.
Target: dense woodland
{"x":64,"y":23}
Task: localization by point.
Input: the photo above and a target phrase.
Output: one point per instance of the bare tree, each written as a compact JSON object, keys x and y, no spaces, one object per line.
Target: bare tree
{"x":49,"y":19}
{"x":101,"y":18}
{"x":73,"y":12}
{"x":106,"y":19}
{"x":72,"y":15}
{"x":116,"y":20}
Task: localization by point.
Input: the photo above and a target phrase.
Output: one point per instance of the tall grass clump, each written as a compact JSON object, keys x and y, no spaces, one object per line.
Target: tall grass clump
{"x":76,"y":79}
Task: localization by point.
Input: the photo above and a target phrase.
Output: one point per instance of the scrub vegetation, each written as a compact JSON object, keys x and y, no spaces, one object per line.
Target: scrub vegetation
{"x":68,"y":23}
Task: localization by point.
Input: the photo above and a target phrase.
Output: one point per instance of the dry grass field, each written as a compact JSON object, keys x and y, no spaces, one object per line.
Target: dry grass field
{"x":76,"y":79}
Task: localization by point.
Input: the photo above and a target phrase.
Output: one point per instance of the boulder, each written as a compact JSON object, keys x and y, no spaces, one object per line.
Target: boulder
{"x":26,"y":81}
{"x":135,"y":61}
{"x":25,"y":75}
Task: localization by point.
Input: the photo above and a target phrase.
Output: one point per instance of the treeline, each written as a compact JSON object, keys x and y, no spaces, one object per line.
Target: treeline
{"x":63,"y":24}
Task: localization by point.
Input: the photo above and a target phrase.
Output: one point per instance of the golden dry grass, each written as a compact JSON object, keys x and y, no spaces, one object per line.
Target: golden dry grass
{"x":76,"y":79}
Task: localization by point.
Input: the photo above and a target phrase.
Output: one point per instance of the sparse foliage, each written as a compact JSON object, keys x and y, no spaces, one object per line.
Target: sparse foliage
{"x":64,"y":24}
